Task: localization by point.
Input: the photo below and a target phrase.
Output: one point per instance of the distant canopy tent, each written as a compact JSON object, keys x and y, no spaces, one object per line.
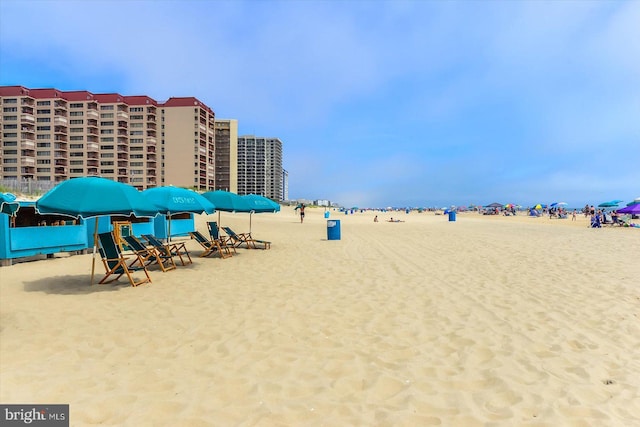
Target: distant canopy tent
{"x":494,"y":205}
{"x":93,"y":196}
{"x":633,"y":209}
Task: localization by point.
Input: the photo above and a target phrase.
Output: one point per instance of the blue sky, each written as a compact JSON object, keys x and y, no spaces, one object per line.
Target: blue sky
{"x":378,"y":103}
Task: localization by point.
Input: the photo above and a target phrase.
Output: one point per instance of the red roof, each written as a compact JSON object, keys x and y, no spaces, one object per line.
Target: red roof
{"x":109,"y":98}
{"x":140,"y":100}
{"x":13,"y":91}
{"x":78,"y":95}
{"x":46,"y":93}
{"x":188,"y":101}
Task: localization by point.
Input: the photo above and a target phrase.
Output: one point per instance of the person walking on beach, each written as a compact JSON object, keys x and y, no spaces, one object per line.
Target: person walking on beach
{"x":301,"y":213}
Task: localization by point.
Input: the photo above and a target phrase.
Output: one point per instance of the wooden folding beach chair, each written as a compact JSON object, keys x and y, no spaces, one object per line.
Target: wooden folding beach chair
{"x":170,"y":249}
{"x":214,"y":232}
{"x":116,"y":264}
{"x":244,"y":238}
{"x":150,"y":255}
{"x":210,"y":246}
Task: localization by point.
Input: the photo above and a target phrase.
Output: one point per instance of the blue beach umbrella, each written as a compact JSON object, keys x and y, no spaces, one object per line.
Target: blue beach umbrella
{"x":611,"y":204}
{"x":90,"y":197}
{"x":226,"y":201}
{"x":259,"y":204}
{"x":173,"y":200}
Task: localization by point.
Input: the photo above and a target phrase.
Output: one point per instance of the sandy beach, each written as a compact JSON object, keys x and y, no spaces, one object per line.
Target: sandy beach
{"x":485,"y":321}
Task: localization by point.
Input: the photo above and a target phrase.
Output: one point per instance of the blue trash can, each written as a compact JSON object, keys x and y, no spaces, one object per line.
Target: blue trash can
{"x":452,"y":215}
{"x":326,"y":214}
{"x":333,"y":229}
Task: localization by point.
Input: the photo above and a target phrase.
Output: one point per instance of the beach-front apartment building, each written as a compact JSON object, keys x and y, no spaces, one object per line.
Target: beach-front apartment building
{"x":226,"y":155}
{"x":260,"y":166}
{"x":53,"y":135}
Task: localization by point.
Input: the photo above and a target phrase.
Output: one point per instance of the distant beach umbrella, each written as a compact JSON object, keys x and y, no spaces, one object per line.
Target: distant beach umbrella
{"x":611,"y":204}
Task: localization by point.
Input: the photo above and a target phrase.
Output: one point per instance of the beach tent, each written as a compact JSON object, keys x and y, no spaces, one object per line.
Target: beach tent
{"x":91,"y":197}
{"x":631,"y":209}
{"x":494,"y":205}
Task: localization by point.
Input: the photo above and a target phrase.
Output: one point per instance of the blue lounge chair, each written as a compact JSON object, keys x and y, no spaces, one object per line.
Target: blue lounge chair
{"x":116,"y":264}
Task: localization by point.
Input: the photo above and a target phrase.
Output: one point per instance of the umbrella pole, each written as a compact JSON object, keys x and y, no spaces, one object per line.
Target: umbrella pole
{"x":169,"y":233}
{"x":95,"y":245}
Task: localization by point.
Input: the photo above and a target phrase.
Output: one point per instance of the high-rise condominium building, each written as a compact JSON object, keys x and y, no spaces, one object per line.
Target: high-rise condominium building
{"x":226,"y":155}
{"x":53,"y":135}
{"x":188,"y":144}
{"x":260,"y":166}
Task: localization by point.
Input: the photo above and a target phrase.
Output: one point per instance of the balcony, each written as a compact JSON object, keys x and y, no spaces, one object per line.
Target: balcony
{"x":93,"y":146}
{"x":27,"y":118}
{"x":151,"y":126}
{"x":151,"y":141}
{"x":28,"y":161}
{"x":122,"y":115}
{"x":60,"y":170}
{"x":27,"y":101}
{"x":92,"y":131}
{"x":27,"y":144}
{"x":123,"y":172}
{"x":92,"y":163}
{"x":202,"y":127}
{"x":123,"y":163}
{"x":93,"y":114}
{"x":59,"y":120}
{"x":122,"y":124}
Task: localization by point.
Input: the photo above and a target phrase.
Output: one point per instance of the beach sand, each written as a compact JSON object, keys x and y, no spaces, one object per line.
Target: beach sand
{"x":486,"y":321}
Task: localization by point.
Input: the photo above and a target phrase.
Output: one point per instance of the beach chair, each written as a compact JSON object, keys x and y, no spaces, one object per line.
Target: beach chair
{"x":244,"y":238}
{"x":214,"y":232}
{"x":210,"y":246}
{"x":170,"y":249}
{"x":116,"y":264}
{"x":150,"y":255}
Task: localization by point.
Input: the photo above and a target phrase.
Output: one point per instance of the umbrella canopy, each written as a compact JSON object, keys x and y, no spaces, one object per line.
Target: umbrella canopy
{"x":172,"y":200}
{"x":8,"y":205}
{"x":93,"y":196}
{"x":260,"y":204}
{"x":611,"y":204}
{"x":178,"y":200}
{"x":227,"y":201}
{"x":631,"y":209}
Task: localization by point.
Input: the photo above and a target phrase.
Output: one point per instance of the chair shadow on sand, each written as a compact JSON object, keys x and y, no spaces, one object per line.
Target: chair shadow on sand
{"x":79,"y":284}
